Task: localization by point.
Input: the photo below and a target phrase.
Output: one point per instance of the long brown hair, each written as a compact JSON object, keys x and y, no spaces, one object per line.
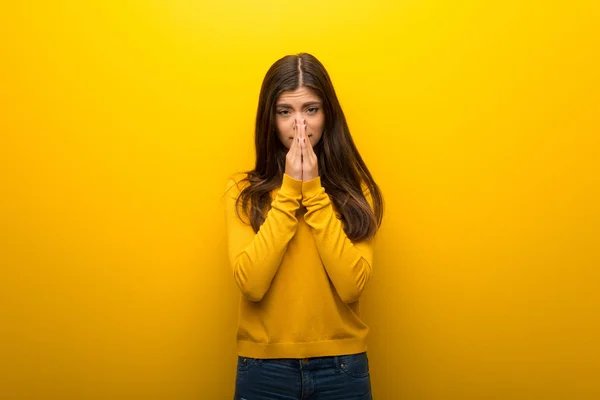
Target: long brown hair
{"x":341,"y":168}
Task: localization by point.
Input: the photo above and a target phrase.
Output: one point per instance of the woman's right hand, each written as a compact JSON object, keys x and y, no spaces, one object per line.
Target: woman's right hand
{"x":293,"y":159}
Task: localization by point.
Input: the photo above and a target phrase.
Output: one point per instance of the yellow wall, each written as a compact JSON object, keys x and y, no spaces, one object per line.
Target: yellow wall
{"x":121,"y":120}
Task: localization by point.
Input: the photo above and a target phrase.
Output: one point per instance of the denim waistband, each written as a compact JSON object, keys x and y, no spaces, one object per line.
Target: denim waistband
{"x":310,"y":362}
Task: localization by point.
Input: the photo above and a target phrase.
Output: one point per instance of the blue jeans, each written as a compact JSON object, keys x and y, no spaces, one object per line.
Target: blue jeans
{"x":344,"y":377}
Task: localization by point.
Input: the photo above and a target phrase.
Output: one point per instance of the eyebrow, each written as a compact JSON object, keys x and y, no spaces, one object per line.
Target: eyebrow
{"x":310,"y":103}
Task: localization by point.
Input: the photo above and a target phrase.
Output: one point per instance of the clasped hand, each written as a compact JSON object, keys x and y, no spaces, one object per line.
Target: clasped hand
{"x":301,"y":160}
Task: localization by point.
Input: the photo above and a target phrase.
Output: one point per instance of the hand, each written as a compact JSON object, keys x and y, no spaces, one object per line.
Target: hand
{"x":310,"y":163}
{"x":293,"y":159}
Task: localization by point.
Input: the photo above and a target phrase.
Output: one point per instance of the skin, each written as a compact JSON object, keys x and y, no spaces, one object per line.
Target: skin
{"x":300,"y":122}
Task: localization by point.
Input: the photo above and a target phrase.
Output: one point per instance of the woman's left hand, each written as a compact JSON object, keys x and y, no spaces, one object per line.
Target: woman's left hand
{"x":310,"y":163}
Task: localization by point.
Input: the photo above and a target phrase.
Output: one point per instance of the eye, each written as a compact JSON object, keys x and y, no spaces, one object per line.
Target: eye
{"x":283,"y":112}
{"x":313,"y":110}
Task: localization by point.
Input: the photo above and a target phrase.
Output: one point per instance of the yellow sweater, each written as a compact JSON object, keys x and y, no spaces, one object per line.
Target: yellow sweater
{"x":300,"y":276}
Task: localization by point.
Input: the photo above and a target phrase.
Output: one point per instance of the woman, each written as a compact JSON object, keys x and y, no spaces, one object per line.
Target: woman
{"x":300,"y":230}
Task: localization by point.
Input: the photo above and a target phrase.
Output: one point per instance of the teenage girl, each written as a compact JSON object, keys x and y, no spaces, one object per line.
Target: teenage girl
{"x":300,"y":231}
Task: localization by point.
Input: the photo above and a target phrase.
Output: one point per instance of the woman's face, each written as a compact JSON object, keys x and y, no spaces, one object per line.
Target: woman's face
{"x":302,"y":103}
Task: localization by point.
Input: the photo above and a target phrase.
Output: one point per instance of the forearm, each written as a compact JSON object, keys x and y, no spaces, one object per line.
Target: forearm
{"x":348,"y":264}
{"x":255,"y":257}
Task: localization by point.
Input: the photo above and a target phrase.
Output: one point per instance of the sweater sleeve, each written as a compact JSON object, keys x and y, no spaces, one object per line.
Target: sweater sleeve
{"x":255,"y":257}
{"x":348,"y":264}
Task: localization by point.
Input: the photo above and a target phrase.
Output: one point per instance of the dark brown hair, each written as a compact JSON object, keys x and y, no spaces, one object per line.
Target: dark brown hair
{"x":341,"y":168}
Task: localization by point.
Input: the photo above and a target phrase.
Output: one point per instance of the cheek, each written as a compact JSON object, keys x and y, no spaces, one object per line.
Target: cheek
{"x":282,"y":129}
{"x":278,"y":129}
{"x":319,"y":129}
{"x":320,"y":123}
{"x":283,"y":134}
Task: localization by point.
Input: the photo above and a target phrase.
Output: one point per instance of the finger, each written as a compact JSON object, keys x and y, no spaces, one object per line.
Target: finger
{"x":309,"y":147}
{"x":298,"y":136}
{"x":309,"y":143}
{"x":303,"y":149}
{"x":304,"y":126}
{"x":294,"y":133}
{"x":303,"y":129}
{"x":298,"y":150}
{"x":298,"y":128}
{"x":292,"y":148}
{"x":307,"y":137}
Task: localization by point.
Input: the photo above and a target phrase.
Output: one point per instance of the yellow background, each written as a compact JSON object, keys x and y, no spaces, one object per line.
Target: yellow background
{"x":121,"y":120}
